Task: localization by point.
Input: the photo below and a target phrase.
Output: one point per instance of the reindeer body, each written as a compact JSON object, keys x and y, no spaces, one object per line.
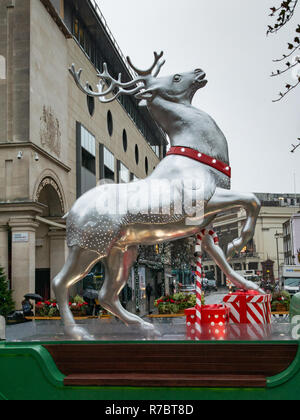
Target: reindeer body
{"x":186,"y":126}
{"x":113,"y":236}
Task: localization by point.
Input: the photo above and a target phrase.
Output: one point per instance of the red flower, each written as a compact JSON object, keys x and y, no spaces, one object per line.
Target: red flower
{"x":70,"y":303}
{"x":172,"y":301}
{"x":85,"y":303}
{"x":54,"y":305}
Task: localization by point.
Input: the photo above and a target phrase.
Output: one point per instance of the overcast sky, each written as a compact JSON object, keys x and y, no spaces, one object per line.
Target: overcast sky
{"x":228,"y":40}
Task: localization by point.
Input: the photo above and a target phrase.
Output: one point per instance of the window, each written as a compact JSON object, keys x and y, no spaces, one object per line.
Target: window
{"x":110,"y":126}
{"x":2,"y":68}
{"x":134,"y":178}
{"x":76,"y":28}
{"x":81,"y":36}
{"x":155,"y":150}
{"x":56,"y":4}
{"x":88,"y":141}
{"x":109,"y":164}
{"x":86,"y":160}
{"x":146,"y":166}
{"x":124,"y":174}
{"x":137,"y":154}
{"x":125,"y":142}
{"x":91,"y":103}
{"x":85,"y":40}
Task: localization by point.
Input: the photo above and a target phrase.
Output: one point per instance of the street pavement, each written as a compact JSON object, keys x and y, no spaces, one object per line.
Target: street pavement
{"x":215,"y":298}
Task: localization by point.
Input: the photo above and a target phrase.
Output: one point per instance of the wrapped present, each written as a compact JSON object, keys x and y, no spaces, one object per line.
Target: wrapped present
{"x":214,"y":322}
{"x":249,"y":307}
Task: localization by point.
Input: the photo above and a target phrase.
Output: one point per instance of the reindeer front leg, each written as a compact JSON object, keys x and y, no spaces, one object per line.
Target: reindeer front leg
{"x":224,"y":200}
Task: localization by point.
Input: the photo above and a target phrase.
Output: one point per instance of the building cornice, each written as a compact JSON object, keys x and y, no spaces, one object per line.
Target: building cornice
{"x":29,"y":207}
{"x":37,"y":149}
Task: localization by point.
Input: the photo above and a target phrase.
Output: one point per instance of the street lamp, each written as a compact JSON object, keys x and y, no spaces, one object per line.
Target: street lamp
{"x":277,"y":237}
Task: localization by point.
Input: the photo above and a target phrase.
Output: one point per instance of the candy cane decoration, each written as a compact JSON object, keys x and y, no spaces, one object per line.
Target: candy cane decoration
{"x":200,"y":275}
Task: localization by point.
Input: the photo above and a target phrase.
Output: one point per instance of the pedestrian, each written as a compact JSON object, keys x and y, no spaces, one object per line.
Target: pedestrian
{"x":172,"y":288}
{"x":148,"y":294}
{"x":27,"y":307}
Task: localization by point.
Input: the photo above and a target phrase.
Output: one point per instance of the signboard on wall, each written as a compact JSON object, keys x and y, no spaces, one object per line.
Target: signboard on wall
{"x":20,"y":237}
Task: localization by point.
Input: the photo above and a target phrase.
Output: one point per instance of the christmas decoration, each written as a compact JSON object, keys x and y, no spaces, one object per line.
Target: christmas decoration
{"x":7,"y":304}
{"x":249,"y":307}
{"x":199,"y":277}
{"x":214,"y":323}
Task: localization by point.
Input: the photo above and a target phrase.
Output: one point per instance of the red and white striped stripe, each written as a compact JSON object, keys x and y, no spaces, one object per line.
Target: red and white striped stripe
{"x":257,"y":309}
{"x":199,"y":276}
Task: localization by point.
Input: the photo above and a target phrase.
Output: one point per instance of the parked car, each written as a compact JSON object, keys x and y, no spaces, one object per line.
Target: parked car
{"x":209,"y":284}
{"x":188,"y":289}
{"x":212,"y":284}
{"x":292,"y":285}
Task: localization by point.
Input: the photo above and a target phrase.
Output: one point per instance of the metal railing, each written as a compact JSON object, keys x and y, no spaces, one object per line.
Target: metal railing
{"x":107,"y":28}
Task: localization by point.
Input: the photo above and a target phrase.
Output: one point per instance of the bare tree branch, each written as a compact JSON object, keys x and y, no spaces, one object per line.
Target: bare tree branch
{"x":284,"y":14}
{"x":287,"y":56}
{"x":295,"y":147}
{"x":289,"y":67}
{"x":289,"y":89}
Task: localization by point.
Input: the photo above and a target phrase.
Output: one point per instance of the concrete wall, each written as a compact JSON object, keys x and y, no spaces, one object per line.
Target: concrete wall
{"x":14,"y":89}
{"x":48,"y":84}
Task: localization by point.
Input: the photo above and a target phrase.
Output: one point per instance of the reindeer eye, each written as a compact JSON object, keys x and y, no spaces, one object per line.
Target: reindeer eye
{"x":177,"y":78}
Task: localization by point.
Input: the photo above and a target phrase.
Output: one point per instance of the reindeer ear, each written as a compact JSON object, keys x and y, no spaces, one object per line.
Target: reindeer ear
{"x":146,"y":95}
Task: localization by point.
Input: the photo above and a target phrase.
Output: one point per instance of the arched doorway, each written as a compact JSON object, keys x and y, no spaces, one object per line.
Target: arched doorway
{"x":50,"y":240}
{"x":49,"y":194}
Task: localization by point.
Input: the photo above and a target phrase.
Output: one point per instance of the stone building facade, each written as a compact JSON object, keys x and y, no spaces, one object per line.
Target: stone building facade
{"x":55,"y":143}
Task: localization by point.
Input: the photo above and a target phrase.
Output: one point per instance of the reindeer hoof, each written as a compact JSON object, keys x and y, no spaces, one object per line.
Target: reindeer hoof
{"x":254,"y":286}
{"x":77,"y":333}
{"x":149,"y":330}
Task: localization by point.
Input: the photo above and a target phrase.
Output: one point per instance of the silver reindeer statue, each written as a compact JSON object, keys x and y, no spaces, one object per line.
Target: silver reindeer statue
{"x":199,"y":152}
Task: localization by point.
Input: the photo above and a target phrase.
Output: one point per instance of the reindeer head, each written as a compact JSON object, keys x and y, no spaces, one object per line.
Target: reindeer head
{"x":179,"y":88}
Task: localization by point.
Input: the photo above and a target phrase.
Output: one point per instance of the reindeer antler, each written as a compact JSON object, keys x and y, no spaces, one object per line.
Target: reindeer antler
{"x":148,"y":72}
{"x":114,"y":84}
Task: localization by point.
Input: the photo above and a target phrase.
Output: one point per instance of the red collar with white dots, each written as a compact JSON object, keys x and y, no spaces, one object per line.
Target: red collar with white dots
{"x":201,"y":157}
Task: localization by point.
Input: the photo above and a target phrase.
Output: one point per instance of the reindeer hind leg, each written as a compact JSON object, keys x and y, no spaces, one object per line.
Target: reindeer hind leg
{"x":224,"y":200}
{"x":78,"y":265}
{"x":217,"y":254}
